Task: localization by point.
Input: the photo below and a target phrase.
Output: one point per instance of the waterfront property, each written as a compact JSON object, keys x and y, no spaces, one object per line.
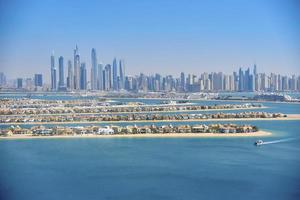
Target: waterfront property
{"x":64,"y":108}
{"x":119,"y":130}
{"x":19,"y":119}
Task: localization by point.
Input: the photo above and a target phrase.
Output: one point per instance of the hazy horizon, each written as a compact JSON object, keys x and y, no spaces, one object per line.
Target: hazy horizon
{"x":164,"y":37}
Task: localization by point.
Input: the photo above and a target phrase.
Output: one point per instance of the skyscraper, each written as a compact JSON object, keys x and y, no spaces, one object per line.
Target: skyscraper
{"x":94,"y":73}
{"x":83,"y":80}
{"x":61,"y":83}
{"x":2,"y":79}
{"x":100,"y":77}
{"x":53,"y":73}
{"x":122,"y":74}
{"x":76,"y":69}
{"x":247,"y":81}
{"x":19,"y":83}
{"x":107,"y":77}
{"x":38,"y":80}
{"x":182,"y":82}
{"x":254,"y":70}
{"x":70,"y":79}
{"x":241,"y":80}
{"x":115,"y":75}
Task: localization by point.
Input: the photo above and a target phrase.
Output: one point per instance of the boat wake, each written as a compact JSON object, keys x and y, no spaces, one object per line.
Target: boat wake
{"x":278,"y":141}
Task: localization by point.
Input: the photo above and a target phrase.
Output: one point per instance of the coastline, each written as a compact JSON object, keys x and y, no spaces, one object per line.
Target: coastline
{"x":161,"y":135}
{"x":289,"y":117}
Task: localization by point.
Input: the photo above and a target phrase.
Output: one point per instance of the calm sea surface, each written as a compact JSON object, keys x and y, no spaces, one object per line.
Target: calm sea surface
{"x":156,"y":168}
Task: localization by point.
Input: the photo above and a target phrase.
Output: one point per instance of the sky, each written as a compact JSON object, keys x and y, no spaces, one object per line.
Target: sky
{"x":157,"y":36}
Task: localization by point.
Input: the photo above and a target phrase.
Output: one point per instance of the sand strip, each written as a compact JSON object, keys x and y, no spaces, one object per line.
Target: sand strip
{"x":165,"y":135}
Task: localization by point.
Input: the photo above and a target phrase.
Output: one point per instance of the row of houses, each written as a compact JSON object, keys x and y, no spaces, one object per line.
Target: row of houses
{"x":120,"y":109}
{"x":132,"y":129}
{"x":135,"y":117}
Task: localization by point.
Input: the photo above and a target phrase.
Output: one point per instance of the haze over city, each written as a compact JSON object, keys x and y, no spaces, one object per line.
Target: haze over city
{"x":151,"y":36}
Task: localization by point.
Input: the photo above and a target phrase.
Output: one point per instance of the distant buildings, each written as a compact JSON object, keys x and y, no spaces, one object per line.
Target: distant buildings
{"x":76,"y":69}
{"x":115,"y":75}
{"x":38,"y":80}
{"x":19,"y":83}
{"x":94,"y":69}
{"x":2,"y":79}
{"x":70,"y":78}
{"x":53,"y":73}
{"x":83,"y":77}
{"x":61,"y":82}
{"x":112,"y":77}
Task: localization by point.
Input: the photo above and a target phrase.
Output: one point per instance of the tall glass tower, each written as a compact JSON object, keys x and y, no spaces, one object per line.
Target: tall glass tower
{"x":83,"y":80}
{"x":53,"y":73}
{"x":122,"y":74}
{"x":76,"y":69}
{"x":100,"y":77}
{"x":94,"y":70}
{"x":107,"y":77}
{"x":115,"y":75}
{"x":61,"y":82}
{"x":70,"y":80}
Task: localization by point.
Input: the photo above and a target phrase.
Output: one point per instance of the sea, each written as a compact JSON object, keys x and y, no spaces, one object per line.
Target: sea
{"x":156,"y":168}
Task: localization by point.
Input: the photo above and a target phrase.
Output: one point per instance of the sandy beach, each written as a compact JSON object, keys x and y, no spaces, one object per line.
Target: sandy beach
{"x":289,"y":117}
{"x":165,"y":135}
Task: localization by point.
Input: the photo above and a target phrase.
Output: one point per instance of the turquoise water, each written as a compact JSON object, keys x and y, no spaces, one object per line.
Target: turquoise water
{"x":156,"y":168}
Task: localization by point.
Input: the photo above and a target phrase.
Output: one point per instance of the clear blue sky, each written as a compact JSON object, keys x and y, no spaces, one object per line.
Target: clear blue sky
{"x":166,"y":36}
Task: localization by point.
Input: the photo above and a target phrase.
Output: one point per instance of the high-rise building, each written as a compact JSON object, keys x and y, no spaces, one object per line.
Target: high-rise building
{"x":100,"y":77}
{"x":29,"y":84}
{"x":83,"y":77}
{"x":182,"y":81}
{"x":241,"y":80}
{"x":115,"y":75}
{"x":53,"y":73}
{"x":76,"y":69}
{"x":38,"y":80}
{"x":122,"y":74}
{"x":107,"y":77}
{"x":248,"y":81}
{"x":70,"y":79}
{"x":61,"y":82}
{"x":217,"y":81}
{"x":94,"y":73}
{"x":19,"y":83}
{"x":2,"y":79}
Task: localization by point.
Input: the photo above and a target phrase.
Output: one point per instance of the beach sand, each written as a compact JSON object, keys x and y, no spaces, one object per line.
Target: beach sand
{"x":148,"y":135}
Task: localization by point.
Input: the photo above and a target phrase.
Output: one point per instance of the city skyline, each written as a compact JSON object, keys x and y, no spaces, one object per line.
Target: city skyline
{"x":112,"y":77}
{"x":152,"y":36}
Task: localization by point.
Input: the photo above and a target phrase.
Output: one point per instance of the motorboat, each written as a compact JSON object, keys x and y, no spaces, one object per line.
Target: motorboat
{"x":259,"y":142}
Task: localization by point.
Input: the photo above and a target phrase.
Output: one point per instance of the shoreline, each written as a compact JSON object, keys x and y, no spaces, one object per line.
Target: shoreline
{"x":161,"y":135}
{"x":289,"y":117}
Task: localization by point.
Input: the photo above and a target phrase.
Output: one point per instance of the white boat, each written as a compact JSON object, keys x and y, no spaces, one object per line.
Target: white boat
{"x":259,"y":142}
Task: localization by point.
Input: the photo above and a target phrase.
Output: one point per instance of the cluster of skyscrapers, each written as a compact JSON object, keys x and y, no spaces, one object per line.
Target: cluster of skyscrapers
{"x":111,"y":77}
{"x":241,"y":81}
{"x":103,"y":77}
